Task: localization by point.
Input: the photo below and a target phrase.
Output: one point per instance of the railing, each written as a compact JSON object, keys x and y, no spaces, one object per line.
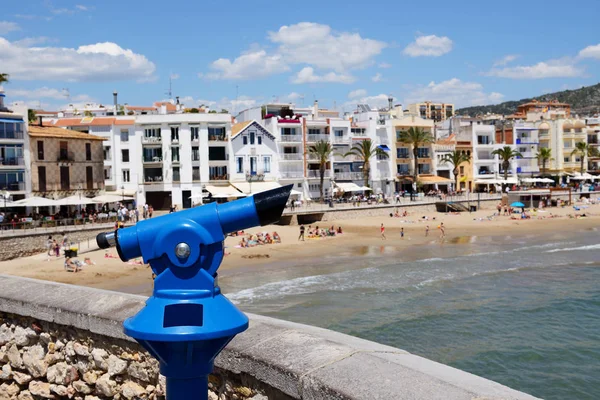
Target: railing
{"x":154,"y":159}
{"x":217,"y":138}
{"x":317,"y":174}
{"x":67,"y":156}
{"x":317,"y":138}
{"x":13,"y":135}
{"x":347,"y":176}
{"x":151,"y":140}
{"x":291,"y":138}
{"x":382,"y":140}
{"x":291,"y":157}
{"x":529,"y":168}
{"x":341,"y":139}
{"x":291,"y":174}
{"x":175,"y":160}
{"x":219,"y":177}
{"x":153,"y":179}
{"x":12,"y":186}
{"x":13,"y":161}
{"x":443,"y":147}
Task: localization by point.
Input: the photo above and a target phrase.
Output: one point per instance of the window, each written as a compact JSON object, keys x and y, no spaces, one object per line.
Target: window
{"x":314,"y":131}
{"x":402,"y":152}
{"x":124,"y":135}
{"x":106,"y":153}
{"x":288,"y":131}
{"x":174,"y":134}
{"x":252,"y":137}
{"x":42,"y":179}
{"x":567,"y":144}
{"x":462,"y":170}
{"x":152,"y":133}
{"x":259,"y":138}
{"x":40,"y":149}
{"x":64,"y":151}
{"x":424,"y":168}
{"x":245,"y":139}
{"x":566,"y":159}
{"x":253,"y":165}
{"x":423,"y":152}
{"x":195,"y":173}
{"x":195,"y":154}
{"x":125,"y":155}
{"x":217,"y":154}
{"x":176,"y":177}
{"x":217,"y":173}
{"x":126,"y":176}
{"x":216,"y":133}
{"x":175,"y":154}
{"x":107,"y":173}
{"x":266,"y":164}
{"x":239,"y":163}
{"x":402,"y":169}
{"x":194,"y":133}
{"x":338,"y":133}
{"x":65,"y":182}
{"x":88,"y":152}
{"x":483,"y":140}
{"x":89,"y":177}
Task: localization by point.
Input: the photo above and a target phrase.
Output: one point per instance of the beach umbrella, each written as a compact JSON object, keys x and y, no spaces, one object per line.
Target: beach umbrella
{"x":75,"y":201}
{"x":35,"y":202}
{"x":111,"y":198}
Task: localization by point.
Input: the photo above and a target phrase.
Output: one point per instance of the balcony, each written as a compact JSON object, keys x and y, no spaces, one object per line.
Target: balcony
{"x":151,"y":140}
{"x":11,"y":161}
{"x":527,"y":140}
{"x":175,"y":161}
{"x":217,"y":138}
{"x":65,"y":157}
{"x":528,"y":169}
{"x":11,"y":135}
{"x":196,"y":175}
{"x":291,"y":138}
{"x":214,"y":177}
{"x":312,"y":173}
{"x":291,"y":157}
{"x":291,"y":174}
{"x":348,"y":176}
{"x":153,"y":177}
{"x":152,"y":160}
{"x":341,"y":139}
{"x":382,"y":140}
{"x":317,"y":138}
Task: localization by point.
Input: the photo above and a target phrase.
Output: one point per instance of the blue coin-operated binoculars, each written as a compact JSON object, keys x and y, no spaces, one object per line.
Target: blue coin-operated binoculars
{"x":187,"y":321}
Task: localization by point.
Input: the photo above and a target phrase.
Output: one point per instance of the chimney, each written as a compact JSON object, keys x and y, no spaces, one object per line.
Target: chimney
{"x":316,"y":109}
{"x":390,"y":103}
{"x":115,"y":101}
{"x":177,"y":98}
{"x":40,"y":119}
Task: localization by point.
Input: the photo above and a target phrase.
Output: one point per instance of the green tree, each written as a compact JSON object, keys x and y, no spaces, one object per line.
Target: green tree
{"x":505,"y":154}
{"x":4,"y":78}
{"x":322,"y":151}
{"x":88,"y":113}
{"x":415,"y":137}
{"x":543,"y":156}
{"x":456,"y":157}
{"x":224,"y":111}
{"x":582,"y":149}
{"x":31,"y":116}
{"x":365,"y":150}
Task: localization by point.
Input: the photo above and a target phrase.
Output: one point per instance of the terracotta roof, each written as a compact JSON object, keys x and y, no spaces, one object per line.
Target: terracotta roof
{"x":124,"y":121}
{"x":449,"y":140}
{"x":170,"y":106}
{"x":46,"y":112}
{"x":141,"y":108}
{"x":240,"y":126}
{"x":60,"y":133}
{"x":85,"y":121}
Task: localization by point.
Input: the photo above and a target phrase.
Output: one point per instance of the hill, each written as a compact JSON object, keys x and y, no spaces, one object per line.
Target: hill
{"x":584,"y":101}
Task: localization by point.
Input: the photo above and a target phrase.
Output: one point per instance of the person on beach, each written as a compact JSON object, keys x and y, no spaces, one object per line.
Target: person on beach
{"x":301,"y":233}
{"x":382,"y":229}
{"x":427,"y":231}
{"x":442,"y":230}
{"x":402,"y":233}
{"x":49,"y":245}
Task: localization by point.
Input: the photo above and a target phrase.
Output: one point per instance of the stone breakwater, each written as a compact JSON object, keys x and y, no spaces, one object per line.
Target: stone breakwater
{"x":40,"y":360}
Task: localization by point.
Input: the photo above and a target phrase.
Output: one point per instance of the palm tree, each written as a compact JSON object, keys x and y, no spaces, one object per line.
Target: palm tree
{"x":543,"y":156}
{"x":506,"y":154}
{"x":582,"y":149}
{"x":4,"y":78}
{"x":365,"y":150}
{"x":321,"y":150}
{"x":415,"y":137}
{"x":456,"y":157}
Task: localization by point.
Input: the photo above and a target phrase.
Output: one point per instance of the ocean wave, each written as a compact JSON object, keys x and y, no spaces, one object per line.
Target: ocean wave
{"x":588,"y":247}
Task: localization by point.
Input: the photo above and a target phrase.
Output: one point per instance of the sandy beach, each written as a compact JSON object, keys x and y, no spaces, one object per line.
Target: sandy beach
{"x":112,"y":273}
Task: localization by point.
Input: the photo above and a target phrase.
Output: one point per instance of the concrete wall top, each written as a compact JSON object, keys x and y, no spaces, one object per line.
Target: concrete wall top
{"x":302,"y":361}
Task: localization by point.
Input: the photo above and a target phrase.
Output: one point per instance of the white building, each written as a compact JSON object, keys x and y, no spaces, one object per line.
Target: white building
{"x":527,"y":142}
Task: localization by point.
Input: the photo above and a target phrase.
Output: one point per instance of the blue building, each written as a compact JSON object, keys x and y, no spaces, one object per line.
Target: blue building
{"x":12,"y":152}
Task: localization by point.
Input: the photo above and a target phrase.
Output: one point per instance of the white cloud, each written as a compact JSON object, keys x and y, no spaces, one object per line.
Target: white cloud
{"x":30,"y":41}
{"x":7,"y":27}
{"x":590,"y":52}
{"x":307,"y":75}
{"x":97,"y":62}
{"x":253,"y":64}
{"x":377,"y":78}
{"x":384,"y":65}
{"x":39,"y":93}
{"x":453,"y":91}
{"x":174,"y":76}
{"x":505,"y":60}
{"x":376,"y":101}
{"x":232,"y":105}
{"x":563,"y":68}
{"x":316,"y":45}
{"x":81,"y":7}
{"x":431,"y":45}
{"x":357,"y":93}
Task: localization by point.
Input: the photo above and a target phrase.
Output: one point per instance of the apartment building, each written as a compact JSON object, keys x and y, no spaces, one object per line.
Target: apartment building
{"x":534,"y":109}
{"x":65,"y":162}
{"x":14,"y":150}
{"x":593,"y":134}
{"x":525,"y":137}
{"x":431,"y":110}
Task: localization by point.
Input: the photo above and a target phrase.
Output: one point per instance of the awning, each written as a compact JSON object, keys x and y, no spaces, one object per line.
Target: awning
{"x":348,"y":187}
{"x":255,"y":187}
{"x":224,"y":192}
{"x":383,"y":147}
{"x":496,"y":181}
{"x":75,"y":200}
{"x":124,"y":192}
{"x":111,"y":198}
{"x":11,"y":120}
{"x":433,"y":180}
{"x":35,"y":202}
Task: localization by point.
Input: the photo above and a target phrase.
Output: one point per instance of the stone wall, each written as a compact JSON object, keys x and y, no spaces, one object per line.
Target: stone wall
{"x":60,"y":341}
{"x":34,"y":243}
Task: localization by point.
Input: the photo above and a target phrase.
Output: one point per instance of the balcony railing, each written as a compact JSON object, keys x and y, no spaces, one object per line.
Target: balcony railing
{"x":12,"y":161}
{"x":65,"y":156}
{"x":151,"y":140}
{"x":292,"y":157}
{"x":316,"y":174}
{"x":154,"y":159}
{"x":11,"y":135}
{"x":317,"y":138}
{"x":341,"y":139}
{"x":153,"y":179}
{"x":347,"y":176}
{"x":215,"y":177}
{"x":291,"y":174}
{"x":217,"y":138}
{"x":291,"y":138}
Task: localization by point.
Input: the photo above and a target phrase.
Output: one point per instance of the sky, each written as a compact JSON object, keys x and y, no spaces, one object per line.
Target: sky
{"x":240,"y":54}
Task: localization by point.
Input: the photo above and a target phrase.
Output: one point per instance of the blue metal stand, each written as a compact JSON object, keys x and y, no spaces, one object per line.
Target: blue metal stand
{"x":187,"y":321}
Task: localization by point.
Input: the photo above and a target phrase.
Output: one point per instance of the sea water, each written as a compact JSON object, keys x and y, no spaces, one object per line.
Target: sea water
{"x":523,"y":311}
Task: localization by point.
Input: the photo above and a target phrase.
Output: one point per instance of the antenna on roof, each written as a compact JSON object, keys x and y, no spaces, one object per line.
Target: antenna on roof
{"x":237,"y":95}
{"x":170,"y":92}
{"x":67,"y":94}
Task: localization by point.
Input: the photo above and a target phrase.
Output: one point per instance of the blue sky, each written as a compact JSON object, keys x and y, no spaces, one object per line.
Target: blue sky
{"x":340,"y":53}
